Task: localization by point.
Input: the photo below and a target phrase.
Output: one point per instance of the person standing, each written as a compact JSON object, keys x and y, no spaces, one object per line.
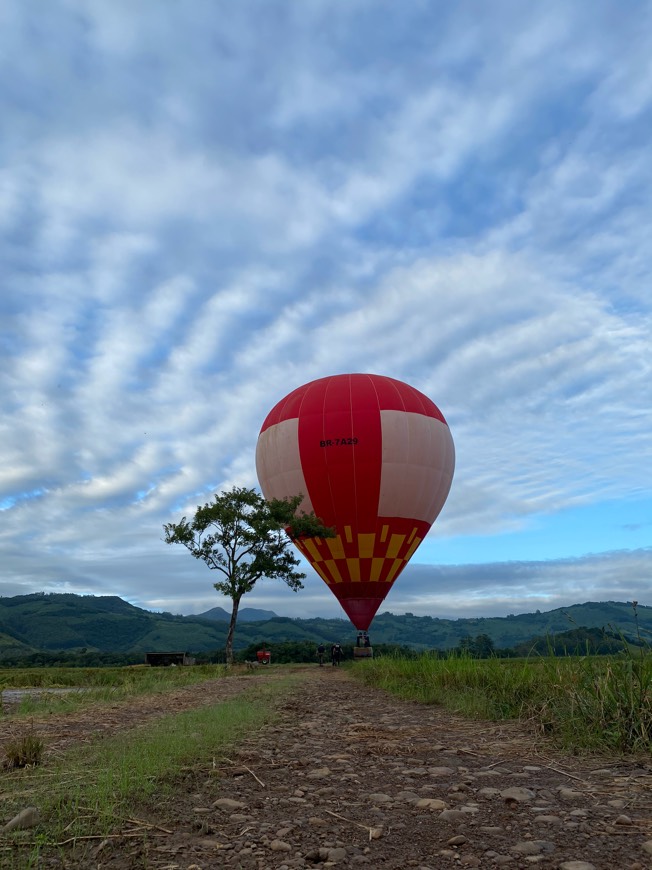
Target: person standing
{"x":321,"y":650}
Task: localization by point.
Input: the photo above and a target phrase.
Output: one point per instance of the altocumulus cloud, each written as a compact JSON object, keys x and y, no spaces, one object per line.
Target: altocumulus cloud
{"x":201,"y":210}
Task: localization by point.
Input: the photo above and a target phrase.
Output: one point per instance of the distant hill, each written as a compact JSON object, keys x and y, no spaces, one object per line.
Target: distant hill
{"x":108,"y":624}
{"x":245,"y":614}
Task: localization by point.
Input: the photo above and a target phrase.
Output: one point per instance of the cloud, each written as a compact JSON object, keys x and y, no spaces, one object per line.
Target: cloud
{"x":199,"y":213}
{"x":522,"y":587}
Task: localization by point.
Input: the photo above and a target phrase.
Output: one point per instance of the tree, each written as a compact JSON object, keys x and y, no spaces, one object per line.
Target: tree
{"x":483,"y":646}
{"x":480,"y":647}
{"x":242,"y":536}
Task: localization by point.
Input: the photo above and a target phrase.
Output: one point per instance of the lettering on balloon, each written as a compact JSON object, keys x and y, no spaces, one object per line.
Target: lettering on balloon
{"x":338,"y":442}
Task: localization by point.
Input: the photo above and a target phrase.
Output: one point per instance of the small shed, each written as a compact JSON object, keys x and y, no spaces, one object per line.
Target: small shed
{"x":165,"y":659}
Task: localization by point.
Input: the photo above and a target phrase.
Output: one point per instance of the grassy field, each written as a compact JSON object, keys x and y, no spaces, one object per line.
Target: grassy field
{"x":583,"y":702}
{"x":99,"y":684}
{"x":91,"y":790}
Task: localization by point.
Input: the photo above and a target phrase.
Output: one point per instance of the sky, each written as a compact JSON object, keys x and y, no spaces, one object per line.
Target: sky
{"x":205,"y":205}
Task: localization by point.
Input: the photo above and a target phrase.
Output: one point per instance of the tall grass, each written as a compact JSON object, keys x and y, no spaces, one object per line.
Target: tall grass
{"x":485,"y":689}
{"x":584,"y":702}
{"x":599,"y":702}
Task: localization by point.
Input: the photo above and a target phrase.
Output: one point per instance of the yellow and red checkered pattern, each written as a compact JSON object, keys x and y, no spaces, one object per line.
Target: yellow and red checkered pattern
{"x":365,"y":557}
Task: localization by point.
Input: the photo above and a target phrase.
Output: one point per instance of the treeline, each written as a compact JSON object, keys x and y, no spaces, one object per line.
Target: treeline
{"x":71,"y":659}
{"x":578,"y":641}
{"x":299,"y":652}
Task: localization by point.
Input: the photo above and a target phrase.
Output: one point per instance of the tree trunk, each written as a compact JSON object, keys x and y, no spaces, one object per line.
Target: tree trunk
{"x":231,"y":631}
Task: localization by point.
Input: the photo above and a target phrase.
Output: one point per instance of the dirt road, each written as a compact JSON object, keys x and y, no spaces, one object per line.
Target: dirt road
{"x":351,"y":777}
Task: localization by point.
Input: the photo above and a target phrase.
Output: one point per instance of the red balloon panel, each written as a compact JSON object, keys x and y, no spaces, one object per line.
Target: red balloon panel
{"x":374,"y":458}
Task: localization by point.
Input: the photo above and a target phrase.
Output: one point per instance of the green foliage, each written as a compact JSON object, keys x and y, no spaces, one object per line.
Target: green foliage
{"x":506,"y":632}
{"x":71,"y":659}
{"x":599,"y":702}
{"x":305,"y":651}
{"x":283,"y":652}
{"x":75,"y":622}
{"x":239,"y":535}
{"x":479,"y":647}
{"x":108,"y":626}
{"x":243,"y":538}
{"x":576,"y":641}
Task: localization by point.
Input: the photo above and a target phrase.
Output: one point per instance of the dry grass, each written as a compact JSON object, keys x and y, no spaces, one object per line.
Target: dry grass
{"x":25,"y":751}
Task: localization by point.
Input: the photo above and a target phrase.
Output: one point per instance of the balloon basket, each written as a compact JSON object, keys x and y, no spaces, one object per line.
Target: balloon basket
{"x":363,"y":652}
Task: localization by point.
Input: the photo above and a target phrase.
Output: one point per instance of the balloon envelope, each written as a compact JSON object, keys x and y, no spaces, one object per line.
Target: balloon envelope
{"x":373,"y":458}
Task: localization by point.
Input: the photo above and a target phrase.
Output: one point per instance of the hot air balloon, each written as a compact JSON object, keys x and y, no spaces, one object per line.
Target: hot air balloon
{"x":373,"y":458}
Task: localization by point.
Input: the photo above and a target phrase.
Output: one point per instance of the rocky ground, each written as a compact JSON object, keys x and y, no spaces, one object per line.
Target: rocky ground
{"x":351,"y":777}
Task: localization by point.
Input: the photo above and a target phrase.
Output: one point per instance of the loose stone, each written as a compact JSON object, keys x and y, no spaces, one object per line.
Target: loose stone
{"x":228,"y":804}
{"x":430,"y":804}
{"x":533,"y":847}
{"x":548,"y":820}
{"x":569,"y":794}
{"x":520,"y":795}
{"x":379,"y":798}
{"x":316,"y":822}
{"x":407,"y":796}
{"x":576,"y":865}
{"x":319,"y":773}
{"x":623,"y":820}
{"x":27,"y":818}
{"x":452,"y":815}
{"x":280,"y":846}
{"x":457,"y":797}
{"x":487,"y":791}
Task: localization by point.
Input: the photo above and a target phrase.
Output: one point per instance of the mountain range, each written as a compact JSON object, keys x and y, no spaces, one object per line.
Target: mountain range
{"x":245,"y":614}
{"x":64,"y":621}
